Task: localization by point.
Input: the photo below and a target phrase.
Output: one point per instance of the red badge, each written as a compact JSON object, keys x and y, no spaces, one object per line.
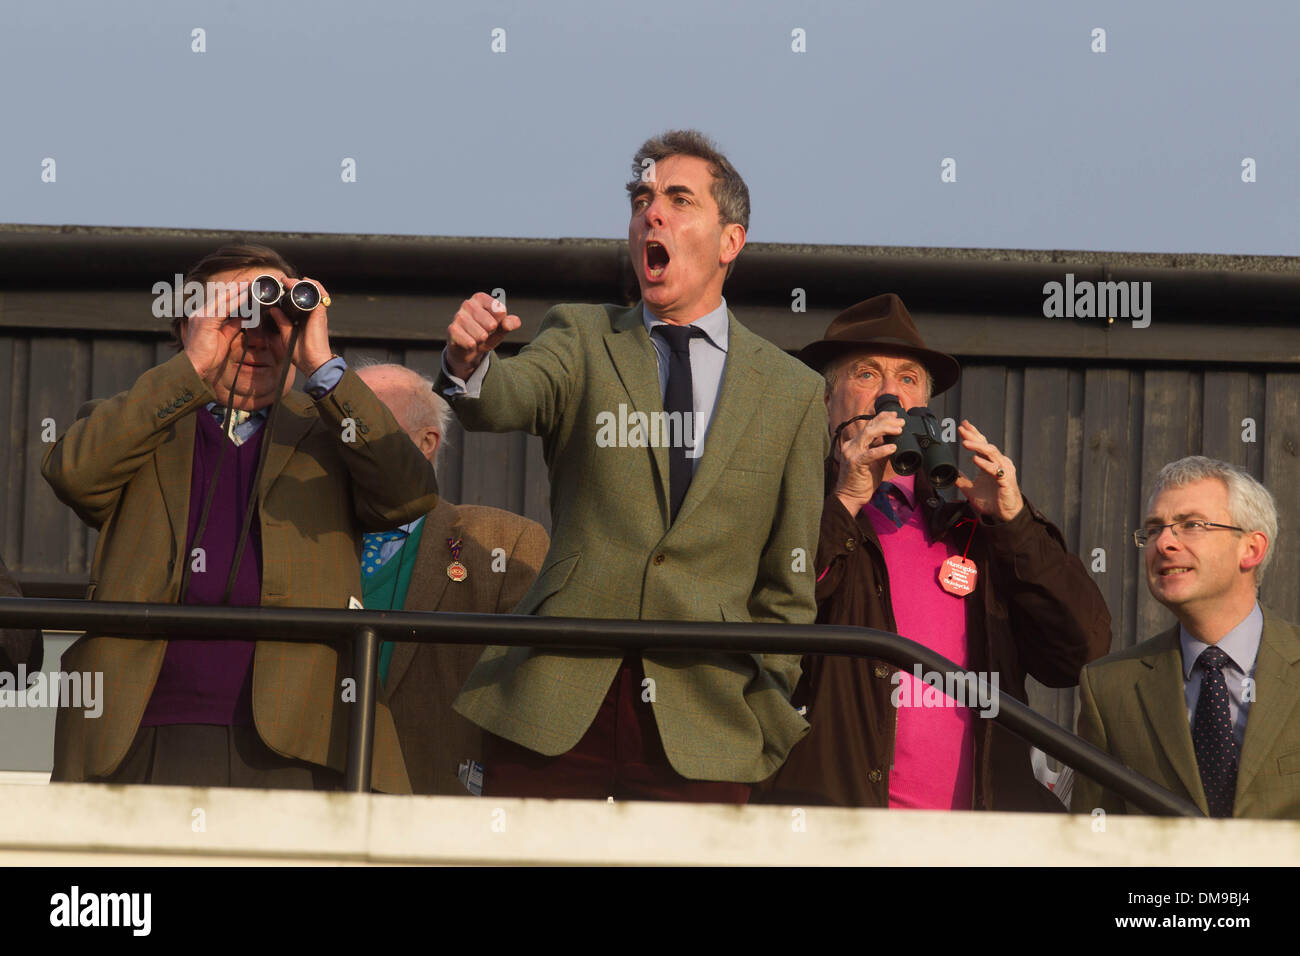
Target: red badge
{"x":957,"y":576}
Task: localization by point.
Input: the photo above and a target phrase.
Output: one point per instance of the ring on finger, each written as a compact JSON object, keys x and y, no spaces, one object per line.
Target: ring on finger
{"x":1001,"y":473}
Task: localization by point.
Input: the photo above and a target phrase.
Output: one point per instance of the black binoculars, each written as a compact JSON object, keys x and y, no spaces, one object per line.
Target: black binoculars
{"x":919,"y":445}
{"x":296,"y":302}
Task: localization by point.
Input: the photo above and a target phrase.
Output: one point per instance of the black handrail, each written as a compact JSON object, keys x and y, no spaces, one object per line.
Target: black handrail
{"x":367,"y":628}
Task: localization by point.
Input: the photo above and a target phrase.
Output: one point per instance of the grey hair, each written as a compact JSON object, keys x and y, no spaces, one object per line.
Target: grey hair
{"x":1250,"y":505}
{"x":421,"y":406}
{"x":834,"y":371}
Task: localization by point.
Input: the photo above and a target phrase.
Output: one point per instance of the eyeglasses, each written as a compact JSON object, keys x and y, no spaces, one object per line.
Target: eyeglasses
{"x":1188,"y":530}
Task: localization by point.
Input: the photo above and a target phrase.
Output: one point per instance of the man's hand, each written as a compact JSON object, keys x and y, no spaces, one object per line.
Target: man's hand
{"x":479,"y":326}
{"x":994,"y":493}
{"x":206,"y":336}
{"x":862,"y":467}
{"x":313,"y":347}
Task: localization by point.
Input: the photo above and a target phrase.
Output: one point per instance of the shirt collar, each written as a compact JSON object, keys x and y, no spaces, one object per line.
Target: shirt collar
{"x":217,"y":407}
{"x":714,"y":325}
{"x":1241,"y":643}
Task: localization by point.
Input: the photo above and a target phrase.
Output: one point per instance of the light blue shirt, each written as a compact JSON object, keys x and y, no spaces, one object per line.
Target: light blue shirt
{"x":320,"y":384}
{"x":390,"y":548}
{"x":708,"y":362}
{"x":1241,"y":644}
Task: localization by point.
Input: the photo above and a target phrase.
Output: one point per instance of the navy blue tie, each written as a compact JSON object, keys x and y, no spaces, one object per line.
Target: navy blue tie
{"x":679,"y":396}
{"x":1216,"y":748}
{"x":884,"y":503}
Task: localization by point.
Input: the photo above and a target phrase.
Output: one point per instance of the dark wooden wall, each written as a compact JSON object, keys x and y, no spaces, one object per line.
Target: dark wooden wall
{"x":1088,"y":412}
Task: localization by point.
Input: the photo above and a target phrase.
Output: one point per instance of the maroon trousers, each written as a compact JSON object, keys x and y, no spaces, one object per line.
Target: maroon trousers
{"x":620,"y":756}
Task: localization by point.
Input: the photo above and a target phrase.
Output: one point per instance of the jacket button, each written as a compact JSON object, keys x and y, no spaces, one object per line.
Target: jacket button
{"x":659,"y":559}
{"x":849,"y":544}
{"x":188,"y":396}
{"x":162,"y":413}
{"x":881,"y":670}
{"x":875,"y":776}
{"x":880,"y":592}
{"x":932,"y":502}
{"x":364,"y":428}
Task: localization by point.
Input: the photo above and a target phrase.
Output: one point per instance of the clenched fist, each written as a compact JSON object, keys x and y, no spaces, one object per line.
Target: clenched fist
{"x":479,"y":326}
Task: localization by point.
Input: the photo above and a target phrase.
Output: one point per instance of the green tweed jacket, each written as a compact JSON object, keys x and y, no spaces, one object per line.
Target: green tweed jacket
{"x":124,"y":466}
{"x":1132,"y":705}
{"x":741,"y":549}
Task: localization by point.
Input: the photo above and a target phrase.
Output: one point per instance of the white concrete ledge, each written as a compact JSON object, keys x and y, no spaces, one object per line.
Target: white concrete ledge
{"x":85,"y":824}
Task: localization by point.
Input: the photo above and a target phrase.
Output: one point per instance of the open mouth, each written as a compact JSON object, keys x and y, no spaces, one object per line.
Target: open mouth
{"x":1167,"y":572}
{"x":656,"y":259}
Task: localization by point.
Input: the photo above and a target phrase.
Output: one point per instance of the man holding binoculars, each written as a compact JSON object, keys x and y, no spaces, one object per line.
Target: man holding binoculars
{"x":986,"y":582}
{"x":211,"y":483}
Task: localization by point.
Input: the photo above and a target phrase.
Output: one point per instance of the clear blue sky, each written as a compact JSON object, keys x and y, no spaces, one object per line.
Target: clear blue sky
{"x":1138,"y":148}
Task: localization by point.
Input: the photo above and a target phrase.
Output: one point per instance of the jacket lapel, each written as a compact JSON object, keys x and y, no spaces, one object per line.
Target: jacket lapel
{"x":292,"y":423}
{"x":633,"y":355}
{"x":1160,"y":689}
{"x":1277,"y":690}
{"x":174,"y":461}
{"x":742,"y":390}
{"x":428,"y":582}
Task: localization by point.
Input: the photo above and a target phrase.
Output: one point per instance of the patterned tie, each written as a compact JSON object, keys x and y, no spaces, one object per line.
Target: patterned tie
{"x":883,"y":502}
{"x":1216,"y":748}
{"x":678,"y":397}
{"x":237,"y":418}
{"x":371,"y":543}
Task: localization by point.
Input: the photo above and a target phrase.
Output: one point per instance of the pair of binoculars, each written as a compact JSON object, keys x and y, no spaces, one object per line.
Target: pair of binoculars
{"x":919,"y":445}
{"x":296,"y":302}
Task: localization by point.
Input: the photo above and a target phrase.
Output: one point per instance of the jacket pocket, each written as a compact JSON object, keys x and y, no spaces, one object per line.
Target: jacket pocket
{"x":550,"y":580}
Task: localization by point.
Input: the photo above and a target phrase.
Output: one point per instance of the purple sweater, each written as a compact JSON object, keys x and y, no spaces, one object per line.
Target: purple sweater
{"x":211,"y":682}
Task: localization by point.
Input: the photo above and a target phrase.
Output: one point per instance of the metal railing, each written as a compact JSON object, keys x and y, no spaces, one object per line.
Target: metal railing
{"x":367,"y":628}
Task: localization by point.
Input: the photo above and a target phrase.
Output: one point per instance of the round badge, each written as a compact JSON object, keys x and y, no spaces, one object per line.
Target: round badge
{"x":457,"y":571}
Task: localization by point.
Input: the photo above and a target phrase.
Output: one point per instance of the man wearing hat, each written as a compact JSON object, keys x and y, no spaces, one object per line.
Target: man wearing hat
{"x":885,"y":560}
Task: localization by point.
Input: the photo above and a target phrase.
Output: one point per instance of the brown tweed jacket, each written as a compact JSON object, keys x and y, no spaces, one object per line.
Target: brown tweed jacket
{"x":124,"y":466}
{"x":424,"y":679}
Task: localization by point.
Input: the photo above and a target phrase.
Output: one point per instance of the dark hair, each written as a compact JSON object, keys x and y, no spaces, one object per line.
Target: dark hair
{"x":232,"y":257}
{"x":729,"y":190}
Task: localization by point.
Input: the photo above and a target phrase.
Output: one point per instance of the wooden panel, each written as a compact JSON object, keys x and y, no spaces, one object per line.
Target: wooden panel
{"x":13,"y":410}
{"x":1040,"y":457}
{"x":1281,"y":434}
{"x":1041,"y":465}
{"x":1104,"y":492}
{"x":116,"y":363}
{"x":1168,"y":415}
{"x":1226,"y":403}
{"x":53,"y":537}
{"x":983,"y":401}
{"x":486,"y":469}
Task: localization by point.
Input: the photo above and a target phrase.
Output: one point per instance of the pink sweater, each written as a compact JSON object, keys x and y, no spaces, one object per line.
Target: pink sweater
{"x":934,"y":745}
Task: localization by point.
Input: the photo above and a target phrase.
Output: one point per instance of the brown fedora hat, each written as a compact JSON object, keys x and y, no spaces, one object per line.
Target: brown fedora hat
{"x":880,"y":323}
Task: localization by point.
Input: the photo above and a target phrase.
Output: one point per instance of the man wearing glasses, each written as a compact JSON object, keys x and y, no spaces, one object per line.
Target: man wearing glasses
{"x":1210,"y":709}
